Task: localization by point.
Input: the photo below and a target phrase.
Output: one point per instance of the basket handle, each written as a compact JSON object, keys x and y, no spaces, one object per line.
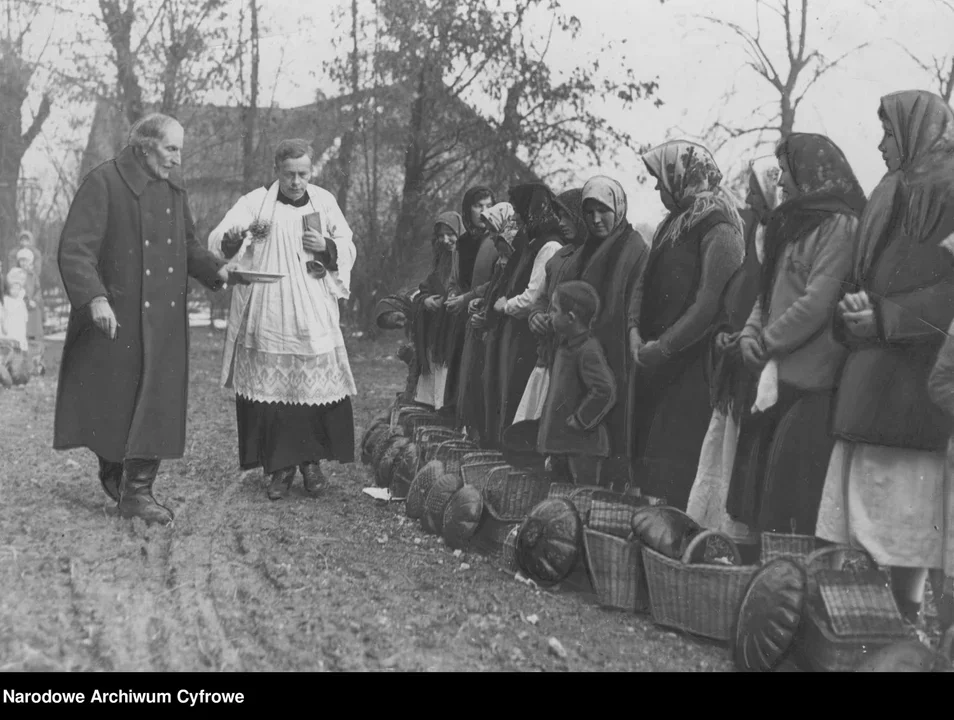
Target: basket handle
{"x":704,"y":535}
{"x":812,"y":560}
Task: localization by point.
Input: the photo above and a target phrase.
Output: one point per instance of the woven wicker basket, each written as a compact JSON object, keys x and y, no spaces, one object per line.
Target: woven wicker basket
{"x":493,"y":532}
{"x":582,"y":499}
{"x":615,"y":566}
{"x":509,"y":550}
{"x":512,"y":494}
{"x":412,"y":421}
{"x":402,"y":410}
{"x":452,"y":453}
{"x":427,"y":435}
{"x":776,"y":545}
{"x":612,"y":513}
{"x":481,"y":456}
{"x":405,"y":468}
{"x":819,"y":648}
{"x":478,"y":473}
{"x":700,"y":599}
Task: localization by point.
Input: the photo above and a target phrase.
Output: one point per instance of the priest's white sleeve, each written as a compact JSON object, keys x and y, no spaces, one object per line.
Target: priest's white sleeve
{"x":240,"y":216}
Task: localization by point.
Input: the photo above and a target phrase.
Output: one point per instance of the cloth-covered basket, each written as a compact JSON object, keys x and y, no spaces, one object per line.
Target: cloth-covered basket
{"x":702,"y":599}
{"x":420,"y":486}
{"x":615,"y":566}
{"x":818,"y":646}
{"x":403,"y":470}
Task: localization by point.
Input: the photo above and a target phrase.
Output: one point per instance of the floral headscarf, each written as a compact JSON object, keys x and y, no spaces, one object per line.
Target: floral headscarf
{"x":535,"y":203}
{"x":923,"y":125}
{"x":826,"y":186}
{"x":689,"y":173}
{"x":608,"y":192}
{"x":502,"y":221}
{"x":766,"y":172}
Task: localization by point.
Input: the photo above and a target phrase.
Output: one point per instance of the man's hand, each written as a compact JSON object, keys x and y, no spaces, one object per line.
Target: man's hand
{"x":539,"y":324}
{"x":313,"y":242}
{"x":227,"y":276}
{"x":752,"y":354}
{"x":103,"y":317}
{"x":433,"y":303}
{"x":455,"y":304}
{"x":501,"y":304}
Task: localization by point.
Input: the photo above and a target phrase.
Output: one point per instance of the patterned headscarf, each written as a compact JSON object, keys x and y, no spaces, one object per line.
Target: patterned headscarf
{"x":502,"y":221}
{"x":535,"y":203}
{"x":688,"y":172}
{"x":608,"y":192}
{"x":766,"y":172}
{"x":923,"y":125}
{"x":571,"y":203}
{"x":826,"y":186}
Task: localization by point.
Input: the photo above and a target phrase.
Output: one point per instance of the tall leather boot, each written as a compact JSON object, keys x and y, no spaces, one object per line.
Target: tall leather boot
{"x":135,"y":493}
{"x":110,"y":477}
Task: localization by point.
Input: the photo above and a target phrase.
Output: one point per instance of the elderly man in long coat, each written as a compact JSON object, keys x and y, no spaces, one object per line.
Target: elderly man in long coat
{"x":126,"y":252}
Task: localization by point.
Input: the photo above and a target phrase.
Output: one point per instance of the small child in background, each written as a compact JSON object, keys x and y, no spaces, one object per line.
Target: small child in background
{"x":14,"y":316}
{"x":582,"y":388}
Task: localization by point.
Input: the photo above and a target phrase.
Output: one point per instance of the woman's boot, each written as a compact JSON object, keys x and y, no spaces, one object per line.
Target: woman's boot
{"x":110,"y":477}
{"x":281,"y":481}
{"x":135,"y":493}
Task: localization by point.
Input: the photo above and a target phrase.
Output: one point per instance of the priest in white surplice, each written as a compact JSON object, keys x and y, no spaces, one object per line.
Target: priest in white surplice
{"x":284,"y":353}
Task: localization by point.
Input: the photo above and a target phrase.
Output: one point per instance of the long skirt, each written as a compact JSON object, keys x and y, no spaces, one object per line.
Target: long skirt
{"x":781,"y":463}
{"x":518,"y":358}
{"x":896,"y":503}
{"x":709,"y":490}
{"x":276,"y":436}
{"x":469,"y":402}
{"x":671,"y":417}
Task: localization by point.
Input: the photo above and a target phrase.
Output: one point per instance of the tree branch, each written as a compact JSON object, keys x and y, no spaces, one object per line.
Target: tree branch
{"x":41,"y":115}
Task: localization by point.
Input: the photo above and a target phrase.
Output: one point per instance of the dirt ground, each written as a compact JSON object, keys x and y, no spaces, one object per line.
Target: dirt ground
{"x":342,"y":582}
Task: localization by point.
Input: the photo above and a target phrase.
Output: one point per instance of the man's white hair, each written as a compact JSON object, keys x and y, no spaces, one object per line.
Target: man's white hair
{"x":147,"y":132}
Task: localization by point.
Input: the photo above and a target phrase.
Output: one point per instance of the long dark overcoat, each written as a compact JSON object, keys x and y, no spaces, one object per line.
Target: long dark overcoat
{"x":130,"y":237}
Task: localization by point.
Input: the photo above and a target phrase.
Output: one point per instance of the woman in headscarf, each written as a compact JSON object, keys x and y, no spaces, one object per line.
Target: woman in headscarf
{"x":475,"y":258}
{"x":569,"y":208}
{"x":785,"y":439}
{"x":611,"y":258}
{"x":697,"y":248}
{"x":489,"y":269}
{"x":731,"y":384}
{"x":509,"y":370}
{"x":434,"y":337}
{"x":885,"y":487}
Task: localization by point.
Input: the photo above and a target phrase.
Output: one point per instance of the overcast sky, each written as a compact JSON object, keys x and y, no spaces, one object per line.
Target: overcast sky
{"x":694,"y":67}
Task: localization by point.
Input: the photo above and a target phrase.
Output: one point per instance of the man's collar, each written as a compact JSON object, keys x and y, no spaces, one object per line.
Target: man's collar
{"x":136,"y":175}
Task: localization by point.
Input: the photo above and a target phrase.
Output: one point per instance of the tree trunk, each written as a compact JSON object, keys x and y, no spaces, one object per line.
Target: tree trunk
{"x":119,"y":22}
{"x":346,"y":151}
{"x":415,"y":158}
{"x":788,"y":115}
{"x":250,"y":111}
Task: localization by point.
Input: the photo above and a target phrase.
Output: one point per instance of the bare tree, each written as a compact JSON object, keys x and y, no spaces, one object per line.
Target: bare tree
{"x":791,"y":75}
{"x":249,"y":96}
{"x":17,"y":77}
{"x":939,"y":67}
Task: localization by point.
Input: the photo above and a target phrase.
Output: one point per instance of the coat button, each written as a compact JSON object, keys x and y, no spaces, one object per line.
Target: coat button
{"x":173,"y":303}
{"x":147,"y":303}
{"x":168,"y":211}
{"x":170,"y":269}
{"x":148,"y":272}
{"x":147,"y":243}
{"x":169,"y":241}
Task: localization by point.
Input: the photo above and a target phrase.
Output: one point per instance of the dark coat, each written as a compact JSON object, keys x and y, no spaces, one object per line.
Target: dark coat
{"x":130,"y":238}
{"x":582,"y":386}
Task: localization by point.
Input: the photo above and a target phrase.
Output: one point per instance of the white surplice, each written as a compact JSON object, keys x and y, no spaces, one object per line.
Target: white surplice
{"x":284,"y":342}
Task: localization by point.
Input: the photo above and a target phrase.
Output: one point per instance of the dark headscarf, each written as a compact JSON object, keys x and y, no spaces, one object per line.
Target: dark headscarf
{"x":826,"y":187}
{"x":571,"y":202}
{"x":536,"y":205}
{"x":468,"y":242}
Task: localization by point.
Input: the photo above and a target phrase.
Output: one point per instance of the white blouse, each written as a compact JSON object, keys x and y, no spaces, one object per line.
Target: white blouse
{"x":520,"y":306}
